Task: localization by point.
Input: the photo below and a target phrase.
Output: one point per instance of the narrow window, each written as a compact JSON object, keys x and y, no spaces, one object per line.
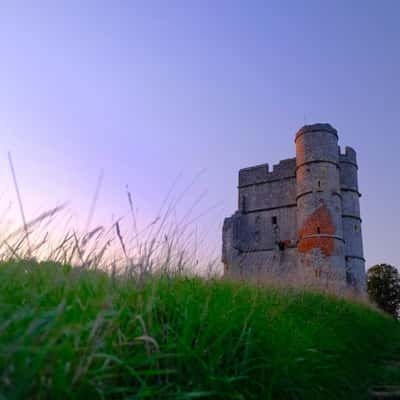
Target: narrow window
{"x":319,"y":183}
{"x":356,"y":228}
{"x":318,"y":230}
{"x":243,"y":205}
{"x":274,"y":220}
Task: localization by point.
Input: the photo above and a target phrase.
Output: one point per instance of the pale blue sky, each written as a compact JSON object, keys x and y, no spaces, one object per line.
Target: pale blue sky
{"x":147,"y":89}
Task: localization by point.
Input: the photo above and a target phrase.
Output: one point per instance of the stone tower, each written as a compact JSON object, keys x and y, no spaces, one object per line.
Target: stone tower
{"x":355,"y":262}
{"x":319,"y":210}
{"x":300,"y":221}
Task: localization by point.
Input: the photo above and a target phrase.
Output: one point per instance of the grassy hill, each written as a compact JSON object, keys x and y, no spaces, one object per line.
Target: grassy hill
{"x":66,"y":333}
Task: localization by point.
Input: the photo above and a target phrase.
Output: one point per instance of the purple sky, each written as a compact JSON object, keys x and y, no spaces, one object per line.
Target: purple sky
{"x":146,"y":90}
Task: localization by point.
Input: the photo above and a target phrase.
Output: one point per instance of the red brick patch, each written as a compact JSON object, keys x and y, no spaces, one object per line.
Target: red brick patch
{"x":320,"y":222}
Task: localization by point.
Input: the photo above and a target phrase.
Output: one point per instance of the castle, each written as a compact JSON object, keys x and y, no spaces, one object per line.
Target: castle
{"x":302,"y":219}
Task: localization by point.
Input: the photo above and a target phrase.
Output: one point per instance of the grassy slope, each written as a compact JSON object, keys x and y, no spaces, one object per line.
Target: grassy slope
{"x":66,"y":334}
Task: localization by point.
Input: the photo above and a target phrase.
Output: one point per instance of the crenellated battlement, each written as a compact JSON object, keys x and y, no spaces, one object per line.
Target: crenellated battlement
{"x":261,"y":173}
{"x":349,"y":155}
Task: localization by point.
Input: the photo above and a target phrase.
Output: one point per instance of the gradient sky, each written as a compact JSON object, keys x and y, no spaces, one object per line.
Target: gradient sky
{"x":148,"y":90}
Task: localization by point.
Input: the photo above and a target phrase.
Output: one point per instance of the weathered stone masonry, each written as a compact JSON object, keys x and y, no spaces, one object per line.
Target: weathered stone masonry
{"x":302,"y":219}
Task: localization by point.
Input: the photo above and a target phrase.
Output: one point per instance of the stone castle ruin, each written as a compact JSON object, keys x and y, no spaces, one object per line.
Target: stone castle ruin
{"x":301,"y":220}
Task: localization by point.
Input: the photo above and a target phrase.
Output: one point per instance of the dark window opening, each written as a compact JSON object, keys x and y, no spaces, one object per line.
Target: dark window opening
{"x":243,"y":205}
{"x":281,"y":245}
{"x":274,"y":220}
{"x":349,"y":278}
{"x":318,"y":230}
{"x":319,"y":183}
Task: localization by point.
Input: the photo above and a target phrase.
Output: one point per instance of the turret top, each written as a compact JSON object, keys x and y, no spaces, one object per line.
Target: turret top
{"x":316,"y":128}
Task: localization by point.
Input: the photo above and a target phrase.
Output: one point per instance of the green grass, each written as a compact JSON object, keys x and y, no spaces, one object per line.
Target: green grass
{"x":70,"y":334}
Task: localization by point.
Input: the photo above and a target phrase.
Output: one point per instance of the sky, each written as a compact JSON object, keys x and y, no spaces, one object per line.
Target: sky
{"x":157,"y":92}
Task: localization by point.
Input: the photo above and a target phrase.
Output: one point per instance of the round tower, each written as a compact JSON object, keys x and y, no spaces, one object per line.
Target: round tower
{"x":319,"y":207}
{"x":354,"y":256}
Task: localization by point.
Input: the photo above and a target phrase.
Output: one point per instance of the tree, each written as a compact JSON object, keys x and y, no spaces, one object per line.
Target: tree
{"x":384,"y":288}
